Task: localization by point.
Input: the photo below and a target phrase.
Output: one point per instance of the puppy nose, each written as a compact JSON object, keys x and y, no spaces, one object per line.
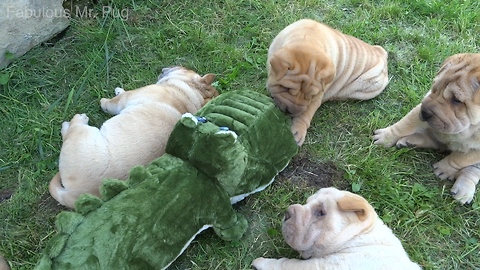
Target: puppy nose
{"x":424,"y":115}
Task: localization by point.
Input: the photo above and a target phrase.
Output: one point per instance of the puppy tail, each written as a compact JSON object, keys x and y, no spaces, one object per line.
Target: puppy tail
{"x":59,"y":193}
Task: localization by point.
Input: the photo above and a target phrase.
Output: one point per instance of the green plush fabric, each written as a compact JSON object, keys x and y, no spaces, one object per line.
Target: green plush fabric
{"x":146,"y":222}
{"x":263,"y":145}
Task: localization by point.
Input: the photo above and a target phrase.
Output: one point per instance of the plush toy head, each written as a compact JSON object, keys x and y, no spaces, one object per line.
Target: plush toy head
{"x":240,"y":139}
{"x":233,"y":147}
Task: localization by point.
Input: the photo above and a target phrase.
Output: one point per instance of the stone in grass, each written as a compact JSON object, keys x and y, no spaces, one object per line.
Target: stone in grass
{"x":26,"y":23}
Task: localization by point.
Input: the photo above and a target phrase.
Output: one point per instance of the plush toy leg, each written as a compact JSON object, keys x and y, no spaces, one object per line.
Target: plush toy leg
{"x":235,"y":231}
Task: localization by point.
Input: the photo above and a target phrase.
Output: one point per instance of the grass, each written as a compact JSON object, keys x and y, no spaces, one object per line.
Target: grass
{"x":230,"y":38}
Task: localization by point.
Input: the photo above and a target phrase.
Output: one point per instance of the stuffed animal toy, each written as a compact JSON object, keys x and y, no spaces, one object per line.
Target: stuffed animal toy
{"x":233,"y":147}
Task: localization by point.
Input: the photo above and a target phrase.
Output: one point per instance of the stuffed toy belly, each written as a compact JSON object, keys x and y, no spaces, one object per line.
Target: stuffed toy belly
{"x":233,"y":147}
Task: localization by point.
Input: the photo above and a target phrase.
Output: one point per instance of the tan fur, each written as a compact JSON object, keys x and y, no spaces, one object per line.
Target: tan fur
{"x":310,"y":63}
{"x":447,"y":119}
{"x":137,"y":134}
{"x":338,"y":230}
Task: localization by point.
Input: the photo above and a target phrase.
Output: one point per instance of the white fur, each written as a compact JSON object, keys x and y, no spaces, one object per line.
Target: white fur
{"x":340,"y":238}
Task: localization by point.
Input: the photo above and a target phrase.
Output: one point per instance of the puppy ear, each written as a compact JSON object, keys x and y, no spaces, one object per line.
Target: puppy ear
{"x":279,"y":65}
{"x":475,"y":83}
{"x":476,"y":96}
{"x":208,"y":79}
{"x":325,"y":69}
{"x":354,"y":203}
{"x":322,"y":70}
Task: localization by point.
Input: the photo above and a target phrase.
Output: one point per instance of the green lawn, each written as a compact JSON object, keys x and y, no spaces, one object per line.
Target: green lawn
{"x":230,"y":38}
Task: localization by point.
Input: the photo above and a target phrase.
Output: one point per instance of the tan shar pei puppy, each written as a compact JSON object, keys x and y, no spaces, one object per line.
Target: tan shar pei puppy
{"x":310,"y":63}
{"x":338,"y":230}
{"x":447,"y":119}
{"x":136,"y":135}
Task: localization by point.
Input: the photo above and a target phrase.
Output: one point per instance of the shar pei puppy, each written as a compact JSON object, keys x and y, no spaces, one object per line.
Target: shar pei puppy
{"x":136,"y":134}
{"x":447,"y":119}
{"x":310,"y":63}
{"x":338,"y":230}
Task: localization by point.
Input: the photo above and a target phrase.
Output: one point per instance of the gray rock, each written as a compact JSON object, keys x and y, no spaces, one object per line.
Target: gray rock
{"x":27,"y":23}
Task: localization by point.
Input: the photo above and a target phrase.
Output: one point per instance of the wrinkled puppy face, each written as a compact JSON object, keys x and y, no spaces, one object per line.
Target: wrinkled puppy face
{"x":298,"y":75}
{"x":329,"y":219}
{"x":190,"y":77}
{"x":453,"y":103}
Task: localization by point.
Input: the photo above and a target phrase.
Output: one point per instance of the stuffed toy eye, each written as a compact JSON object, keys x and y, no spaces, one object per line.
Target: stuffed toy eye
{"x":201,"y":119}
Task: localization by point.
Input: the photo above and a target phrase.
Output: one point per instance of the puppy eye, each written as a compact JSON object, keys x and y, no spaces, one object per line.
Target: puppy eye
{"x":455,"y":100}
{"x":319,"y":213}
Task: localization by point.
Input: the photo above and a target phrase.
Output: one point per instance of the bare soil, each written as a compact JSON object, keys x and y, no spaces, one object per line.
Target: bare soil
{"x":304,"y":172}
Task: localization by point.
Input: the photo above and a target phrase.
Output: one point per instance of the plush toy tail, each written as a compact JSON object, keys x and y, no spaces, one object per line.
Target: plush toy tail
{"x":59,"y":193}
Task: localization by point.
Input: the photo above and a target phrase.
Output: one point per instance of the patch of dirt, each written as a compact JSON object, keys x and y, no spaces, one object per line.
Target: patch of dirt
{"x":303,"y":172}
{"x":48,"y":205}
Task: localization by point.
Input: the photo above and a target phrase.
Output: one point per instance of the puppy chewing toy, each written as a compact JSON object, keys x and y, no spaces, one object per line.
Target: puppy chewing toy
{"x":234,"y":146}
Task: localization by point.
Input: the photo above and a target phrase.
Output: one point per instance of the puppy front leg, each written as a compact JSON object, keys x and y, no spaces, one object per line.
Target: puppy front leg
{"x":463,"y":189}
{"x":267,"y":264}
{"x":451,"y":164}
{"x":78,"y":119}
{"x":391,"y":135}
{"x":301,"y":123}
{"x":292,"y":264}
{"x":64,"y":130}
{"x":113,"y":106}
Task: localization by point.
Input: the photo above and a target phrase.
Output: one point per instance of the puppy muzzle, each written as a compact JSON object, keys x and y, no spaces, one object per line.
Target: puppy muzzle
{"x":425,"y":115}
{"x":167,"y":70}
{"x":287,"y":216}
{"x":281,"y":105}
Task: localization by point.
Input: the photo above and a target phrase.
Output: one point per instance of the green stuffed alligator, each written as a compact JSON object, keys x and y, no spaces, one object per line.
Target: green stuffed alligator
{"x":234,"y":146}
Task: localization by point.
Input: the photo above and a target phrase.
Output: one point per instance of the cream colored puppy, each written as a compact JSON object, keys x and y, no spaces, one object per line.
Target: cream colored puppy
{"x":310,"y":63}
{"x":338,"y":230}
{"x":137,"y":134}
{"x":447,"y":119}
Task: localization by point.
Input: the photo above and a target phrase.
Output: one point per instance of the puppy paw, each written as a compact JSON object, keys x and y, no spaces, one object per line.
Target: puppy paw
{"x":444,"y":170}
{"x":103,"y":104}
{"x":118,"y":91}
{"x":299,"y":134}
{"x":384,"y":137}
{"x":65,"y":127}
{"x":262,"y":263}
{"x":79,"y":119}
{"x":463,"y":190}
{"x":405,"y":142}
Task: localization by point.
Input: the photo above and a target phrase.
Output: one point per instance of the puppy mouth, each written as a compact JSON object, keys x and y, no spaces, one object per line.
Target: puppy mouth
{"x":288,"y":107}
{"x":292,"y":227}
{"x":432,"y":120}
{"x":295,"y":236}
{"x":279,"y":104}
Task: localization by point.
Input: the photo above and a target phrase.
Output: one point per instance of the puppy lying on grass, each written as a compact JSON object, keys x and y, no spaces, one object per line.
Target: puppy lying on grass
{"x":310,"y":63}
{"x":137,"y":134}
{"x":338,"y":230}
